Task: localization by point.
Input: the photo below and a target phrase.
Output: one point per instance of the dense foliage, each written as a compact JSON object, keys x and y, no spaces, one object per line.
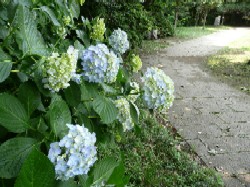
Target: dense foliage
{"x":65,"y":88}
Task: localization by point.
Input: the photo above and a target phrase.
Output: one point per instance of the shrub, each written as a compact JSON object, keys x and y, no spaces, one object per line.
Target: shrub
{"x":61,"y":94}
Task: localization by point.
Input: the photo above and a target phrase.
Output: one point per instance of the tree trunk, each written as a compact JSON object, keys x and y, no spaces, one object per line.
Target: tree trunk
{"x":197,"y":16}
{"x":204,"y":19}
{"x":176,"y":19}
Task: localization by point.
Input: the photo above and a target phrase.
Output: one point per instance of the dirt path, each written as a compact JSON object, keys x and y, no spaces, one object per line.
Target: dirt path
{"x":212,"y":116}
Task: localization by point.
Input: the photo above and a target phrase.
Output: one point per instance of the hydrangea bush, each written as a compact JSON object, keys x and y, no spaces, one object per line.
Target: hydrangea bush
{"x":50,"y":82}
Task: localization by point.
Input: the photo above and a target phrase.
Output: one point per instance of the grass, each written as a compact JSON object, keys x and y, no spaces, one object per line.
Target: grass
{"x":195,"y":32}
{"x":152,"y":46}
{"x":232,"y":64}
{"x":154,"y":157}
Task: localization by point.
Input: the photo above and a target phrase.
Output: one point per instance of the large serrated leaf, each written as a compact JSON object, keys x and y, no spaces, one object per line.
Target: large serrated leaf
{"x":73,"y":94}
{"x":134,"y":112}
{"x":118,"y":177}
{"x":32,"y":100}
{"x":51,"y":15}
{"x":37,"y":171}
{"x":74,"y":8}
{"x":5,"y":65}
{"x":68,"y":183}
{"x":5,"y":68}
{"x":12,"y":114}
{"x":59,"y":116}
{"x":29,"y":39}
{"x":105,"y":108}
{"x":104,"y":169}
{"x":13,"y":153}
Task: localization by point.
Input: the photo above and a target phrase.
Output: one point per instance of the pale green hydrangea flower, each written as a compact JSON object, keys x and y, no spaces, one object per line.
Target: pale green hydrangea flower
{"x":124,"y":116}
{"x":59,"y":69}
{"x":134,"y":92}
{"x":136,"y":63}
{"x":98,"y":30}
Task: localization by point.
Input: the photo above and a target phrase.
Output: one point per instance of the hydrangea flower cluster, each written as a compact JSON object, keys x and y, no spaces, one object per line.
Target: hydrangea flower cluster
{"x":136,"y":63}
{"x":124,"y":116}
{"x":74,"y":154}
{"x":98,"y":30}
{"x":58,"y":70}
{"x":99,"y":64}
{"x":119,"y":41}
{"x":134,"y":92}
{"x":158,"y":89}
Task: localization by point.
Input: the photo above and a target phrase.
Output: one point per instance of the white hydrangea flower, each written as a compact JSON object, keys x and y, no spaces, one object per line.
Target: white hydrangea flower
{"x":99,"y":64}
{"x":74,"y":154}
{"x":124,"y":116}
{"x":58,"y":70}
{"x":158,"y":89}
{"x":119,"y":41}
{"x":134,"y":92}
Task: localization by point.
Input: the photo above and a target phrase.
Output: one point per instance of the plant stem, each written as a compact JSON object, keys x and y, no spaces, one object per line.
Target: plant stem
{"x":14,"y":71}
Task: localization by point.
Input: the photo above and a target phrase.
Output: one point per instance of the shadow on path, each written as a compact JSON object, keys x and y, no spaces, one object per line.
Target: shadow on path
{"x":212,"y":116}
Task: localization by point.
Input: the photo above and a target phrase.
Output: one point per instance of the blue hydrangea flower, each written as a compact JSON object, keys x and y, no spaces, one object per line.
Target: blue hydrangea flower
{"x":158,"y":89}
{"x":119,"y":41}
{"x":59,"y":69}
{"x":99,"y":64}
{"x":124,"y":116}
{"x":74,"y":154}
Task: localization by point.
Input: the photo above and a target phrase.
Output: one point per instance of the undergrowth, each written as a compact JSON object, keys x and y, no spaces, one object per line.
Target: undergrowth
{"x":153,"y":157}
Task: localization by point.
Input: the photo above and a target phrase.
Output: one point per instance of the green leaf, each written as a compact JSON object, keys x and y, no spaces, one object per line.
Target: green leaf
{"x":29,"y":96}
{"x":13,"y":153}
{"x":5,"y":68}
{"x":118,"y":176}
{"x":104,"y":169}
{"x":59,"y":116}
{"x":88,"y":91}
{"x":134,"y":113}
{"x":68,"y":183}
{"x":73,"y":94}
{"x":29,"y":39}
{"x":108,"y":89}
{"x":85,"y":180}
{"x":78,"y":45}
{"x":105,"y":108}
{"x":12,"y":114}
{"x":74,"y":8}
{"x":37,"y":171}
{"x":5,"y":65}
{"x":51,"y":15}
{"x":84,"y":37}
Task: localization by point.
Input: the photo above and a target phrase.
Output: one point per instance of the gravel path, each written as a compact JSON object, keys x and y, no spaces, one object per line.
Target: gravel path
{"x":212,"y":116}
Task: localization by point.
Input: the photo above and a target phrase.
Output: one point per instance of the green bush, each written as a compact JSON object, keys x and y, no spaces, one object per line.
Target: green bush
{"x":130,"y":17}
